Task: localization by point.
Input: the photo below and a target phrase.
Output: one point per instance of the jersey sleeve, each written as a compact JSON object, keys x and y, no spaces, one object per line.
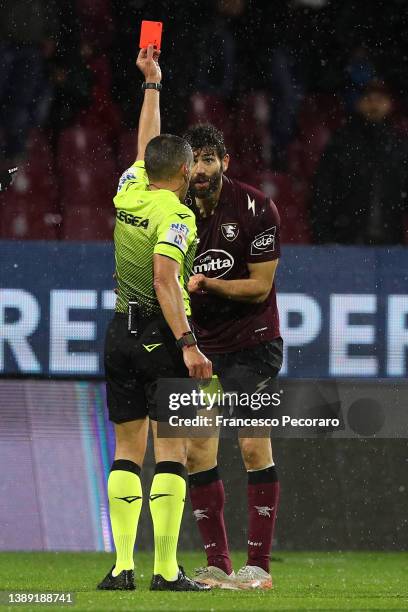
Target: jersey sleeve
{"x":264,"y":234}
{"x":175,"y":234}
{"x":134,"y":177}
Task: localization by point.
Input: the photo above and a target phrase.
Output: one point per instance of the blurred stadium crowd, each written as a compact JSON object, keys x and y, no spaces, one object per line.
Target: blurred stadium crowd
{"x":310,"y":94}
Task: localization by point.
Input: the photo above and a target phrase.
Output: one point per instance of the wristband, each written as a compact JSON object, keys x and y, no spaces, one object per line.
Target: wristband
{"x":187,"y":339}
{"x":157,"y":86}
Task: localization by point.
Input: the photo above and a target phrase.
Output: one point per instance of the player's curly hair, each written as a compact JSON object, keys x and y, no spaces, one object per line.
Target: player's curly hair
{"x":203,"y":135}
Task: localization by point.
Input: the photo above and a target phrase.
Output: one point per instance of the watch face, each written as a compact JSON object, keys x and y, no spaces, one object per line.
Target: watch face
{"x":187,"y":340}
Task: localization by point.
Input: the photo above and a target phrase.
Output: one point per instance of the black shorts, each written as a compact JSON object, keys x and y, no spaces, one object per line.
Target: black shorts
{"x":133,"y":366}
{"x":261,"y":361}
{"x":250,"y":371}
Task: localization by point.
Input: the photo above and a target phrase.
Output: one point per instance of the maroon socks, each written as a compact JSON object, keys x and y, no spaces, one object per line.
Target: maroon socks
{"x":263,"y":499}
{"x":207,"y":498}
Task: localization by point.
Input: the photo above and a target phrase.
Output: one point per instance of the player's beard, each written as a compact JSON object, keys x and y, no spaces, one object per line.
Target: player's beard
{"x":213,"y":185}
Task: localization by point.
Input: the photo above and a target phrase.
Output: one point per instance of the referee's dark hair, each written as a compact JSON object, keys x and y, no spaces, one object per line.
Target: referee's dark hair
{"x":205,"y":135}
{"x":164,"y":155}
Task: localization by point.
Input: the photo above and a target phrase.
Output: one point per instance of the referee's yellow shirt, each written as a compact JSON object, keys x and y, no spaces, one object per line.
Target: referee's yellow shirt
{"x":149,"y":222}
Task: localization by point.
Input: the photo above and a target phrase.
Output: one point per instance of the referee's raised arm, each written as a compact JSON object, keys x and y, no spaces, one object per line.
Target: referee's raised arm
{"x":149,"y":121}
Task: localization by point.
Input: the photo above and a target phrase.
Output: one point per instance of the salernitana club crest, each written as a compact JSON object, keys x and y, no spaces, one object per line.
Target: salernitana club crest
{"x":230,"y":231}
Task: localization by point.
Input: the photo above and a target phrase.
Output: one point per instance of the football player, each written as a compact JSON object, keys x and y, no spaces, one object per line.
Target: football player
{"x":236,"y":321}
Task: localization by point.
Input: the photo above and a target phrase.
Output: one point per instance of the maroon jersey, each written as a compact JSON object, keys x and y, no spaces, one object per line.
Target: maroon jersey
{"x":244,"y":228}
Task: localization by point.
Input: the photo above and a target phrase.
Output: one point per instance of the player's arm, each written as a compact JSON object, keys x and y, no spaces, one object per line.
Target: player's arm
{"x":254,"y":289}
{"x":149,"y":122}
{"x":262,"y":261}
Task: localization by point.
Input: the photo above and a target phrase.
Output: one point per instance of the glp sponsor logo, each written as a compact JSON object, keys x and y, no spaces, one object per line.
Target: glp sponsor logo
{"x":264,"y":242}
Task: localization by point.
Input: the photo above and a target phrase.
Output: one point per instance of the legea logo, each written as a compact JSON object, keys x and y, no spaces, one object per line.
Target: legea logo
{"x":213,"y":260}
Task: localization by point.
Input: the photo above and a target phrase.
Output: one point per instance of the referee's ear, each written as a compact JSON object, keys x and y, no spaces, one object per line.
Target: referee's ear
{"x":225,"y":162}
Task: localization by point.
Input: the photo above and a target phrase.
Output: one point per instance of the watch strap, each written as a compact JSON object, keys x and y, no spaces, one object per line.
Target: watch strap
{"x":187,"y":339}
{"x":157,"y":86}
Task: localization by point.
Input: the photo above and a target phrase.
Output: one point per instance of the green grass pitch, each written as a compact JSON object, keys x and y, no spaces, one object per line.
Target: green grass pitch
{"x":303,"y":581}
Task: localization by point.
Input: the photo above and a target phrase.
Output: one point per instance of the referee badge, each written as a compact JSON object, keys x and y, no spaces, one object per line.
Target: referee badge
{"x":177,"y":235}
{"x":230,"y":231}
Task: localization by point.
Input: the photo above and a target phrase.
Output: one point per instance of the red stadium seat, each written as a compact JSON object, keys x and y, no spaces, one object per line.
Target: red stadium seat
{"x":89,"y":186}
{"x":246,"y":160}
{"x":94,"y":11}
{"x":236,"y":168}
{"x":304,"y":155}
{"x":400,"y":123}
{"x":291,"y":205}
{"x":126,"y":149}
{"x":39,"y":165}
{"x":39,"y":149}
{"x":241,"y":144}
{"x":315,"y":143}
{"x":86,"y":223}
{"x":295,"y":159}
{"x":29,"y":207}
{"x":253,"y":113}
{"x":28,"y":219}
{"x":102,"y":116}
{"x":252,"y":134}
{"x":79,"y":143}
{"x":318,"y":117}
{"x":256,"y":107}
{"x":102,"y":72}
{"x":96,"y":22}
{"x":321,"y":109}
{"x":88,"y":178}
{"x":205,"y":108}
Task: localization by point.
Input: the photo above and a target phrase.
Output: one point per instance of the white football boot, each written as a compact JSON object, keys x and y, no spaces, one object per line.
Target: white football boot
{"x":215,"y":577}
{"x":252,"y":577}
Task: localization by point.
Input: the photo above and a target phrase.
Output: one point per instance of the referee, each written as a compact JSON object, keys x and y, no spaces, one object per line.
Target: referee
{"x":150,"y":338}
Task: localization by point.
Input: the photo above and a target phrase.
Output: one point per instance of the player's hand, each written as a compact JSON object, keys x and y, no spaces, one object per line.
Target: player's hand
{"x":197,"y":364}
{"x":148,"y":63}
{"x":196,"y":283}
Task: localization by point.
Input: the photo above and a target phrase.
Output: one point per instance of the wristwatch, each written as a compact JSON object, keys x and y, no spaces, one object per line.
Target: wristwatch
{"x":157,"y":86}
{"x":187,"y":339}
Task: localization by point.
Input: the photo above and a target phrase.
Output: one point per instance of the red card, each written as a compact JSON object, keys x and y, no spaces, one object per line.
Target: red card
{"x":150,"y":34}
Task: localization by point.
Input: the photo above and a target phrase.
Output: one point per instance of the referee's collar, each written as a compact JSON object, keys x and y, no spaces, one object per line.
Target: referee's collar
{"x":166,"y":191}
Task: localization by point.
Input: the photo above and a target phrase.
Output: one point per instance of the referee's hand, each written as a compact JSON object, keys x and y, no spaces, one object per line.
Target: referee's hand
{"x":148,"y":63}
{"x":197,"y":364}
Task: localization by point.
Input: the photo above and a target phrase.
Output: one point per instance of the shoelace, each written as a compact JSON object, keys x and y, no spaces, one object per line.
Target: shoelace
{"x":245,"y":572}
